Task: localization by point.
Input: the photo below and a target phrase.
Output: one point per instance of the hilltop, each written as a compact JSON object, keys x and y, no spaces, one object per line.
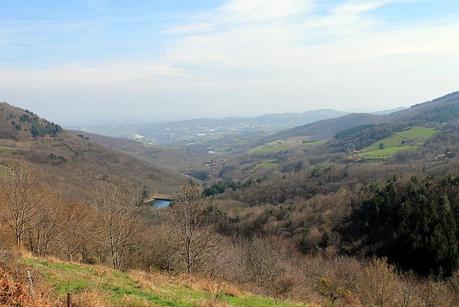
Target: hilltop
{"x":21,"y":124}
{"x":324,"y":129}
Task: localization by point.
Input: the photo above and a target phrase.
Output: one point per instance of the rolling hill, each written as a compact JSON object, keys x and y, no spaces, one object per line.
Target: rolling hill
{"x":409,"y":139}
{"x":24,"y":125}
{"x":436,"y":111}
{"x":439,"y":110}
{"x":424,"y":134}
{"x":72,"y":164}
{"x":325,"y":129}
{"x":238,"y":156}
{"x":433,"y":112}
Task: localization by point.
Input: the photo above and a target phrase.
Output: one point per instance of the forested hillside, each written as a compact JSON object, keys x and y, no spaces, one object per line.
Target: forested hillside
{"x":437,"y":111}
{"x":71,"y":164}
{"x":24,"y":125}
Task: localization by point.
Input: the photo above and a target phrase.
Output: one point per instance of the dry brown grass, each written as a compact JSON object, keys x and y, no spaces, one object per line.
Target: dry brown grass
{"x":90,"y":299}
{"x":212,"y":304}
{"x":158,"y":281}
{"x":213,"y":286}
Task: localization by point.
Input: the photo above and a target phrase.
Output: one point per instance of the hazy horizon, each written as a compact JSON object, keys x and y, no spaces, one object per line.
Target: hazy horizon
{"x":108,"y":122}
{"x":99,"y":61}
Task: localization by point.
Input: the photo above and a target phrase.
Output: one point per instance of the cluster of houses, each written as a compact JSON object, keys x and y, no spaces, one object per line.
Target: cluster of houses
{"x":443,"y":156}
{"x":212,"y":162}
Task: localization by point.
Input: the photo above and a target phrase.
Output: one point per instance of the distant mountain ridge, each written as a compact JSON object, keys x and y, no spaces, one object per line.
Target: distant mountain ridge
{"x":327,"y":128}
{"x":195,"y":130}
{"x":438,"y":110}
{"x":287,"y":119}
{"x":390,"y":111}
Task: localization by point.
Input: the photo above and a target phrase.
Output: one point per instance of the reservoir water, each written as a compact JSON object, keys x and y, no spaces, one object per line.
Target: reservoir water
{"x":161,"y":203}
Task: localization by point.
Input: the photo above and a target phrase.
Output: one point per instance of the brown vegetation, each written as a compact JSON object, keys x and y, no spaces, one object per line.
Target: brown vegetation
{"x":259,"y":252}
{"x":196,"y":239}
{"x":18,"y":289}
{"x":119,"y":221}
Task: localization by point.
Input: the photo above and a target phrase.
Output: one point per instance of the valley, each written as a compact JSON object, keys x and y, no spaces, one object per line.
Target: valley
{"x":244,"y":195}
{"x":189,"y":132}
{"x":229,"y":153}
{"x":237,"y":157}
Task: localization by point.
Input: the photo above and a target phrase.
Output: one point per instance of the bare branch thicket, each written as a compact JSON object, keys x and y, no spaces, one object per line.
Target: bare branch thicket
{"x":119,"y":221}
{"x":196,"y":240}
{"x":75,"y":229}
{"x":49,"y":221}
{"x":21,"y":199}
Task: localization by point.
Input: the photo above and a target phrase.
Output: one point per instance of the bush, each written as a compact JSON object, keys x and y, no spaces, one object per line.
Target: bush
{"x":91,"y":260}
{"x":199,"y":174}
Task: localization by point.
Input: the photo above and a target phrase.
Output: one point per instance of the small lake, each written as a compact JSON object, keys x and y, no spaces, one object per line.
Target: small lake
{"x":161,"y":203}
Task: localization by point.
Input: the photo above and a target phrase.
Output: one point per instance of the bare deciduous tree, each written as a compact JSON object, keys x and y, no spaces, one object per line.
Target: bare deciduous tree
{"x":21,"y":199}
{"x":75,"y":228}
{"x":49,"y":224}
{"x":196,"y":241}
{"x":119,"y":221}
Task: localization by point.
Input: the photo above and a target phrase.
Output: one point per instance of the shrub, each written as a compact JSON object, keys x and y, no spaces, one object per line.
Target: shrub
{"x":199,"y":174}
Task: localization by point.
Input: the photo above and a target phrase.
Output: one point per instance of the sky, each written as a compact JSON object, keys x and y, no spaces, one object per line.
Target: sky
{"x":105,"y":61}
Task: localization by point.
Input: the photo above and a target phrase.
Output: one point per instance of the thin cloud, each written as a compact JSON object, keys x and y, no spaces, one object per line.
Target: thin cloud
{"x":104,"y":75}
{"x":265,"y":56}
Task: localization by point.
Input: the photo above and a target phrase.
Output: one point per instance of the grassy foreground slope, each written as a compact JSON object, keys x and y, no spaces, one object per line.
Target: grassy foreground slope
{"x":101,"y":286}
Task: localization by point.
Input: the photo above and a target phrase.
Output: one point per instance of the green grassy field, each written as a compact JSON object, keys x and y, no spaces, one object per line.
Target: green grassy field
{"x":266,"y":165}
{"x":405,"y":140}
{"x":4,"y":149}
{"x":282,"y":145}
{"x":141,"y":289}
{"x":384,"y":153}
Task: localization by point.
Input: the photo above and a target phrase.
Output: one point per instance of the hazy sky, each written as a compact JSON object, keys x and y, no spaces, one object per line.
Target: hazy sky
{"x":115,"y":60}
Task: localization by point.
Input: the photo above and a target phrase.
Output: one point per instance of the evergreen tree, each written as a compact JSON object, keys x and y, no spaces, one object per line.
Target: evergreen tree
{"x":411,"y":224}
